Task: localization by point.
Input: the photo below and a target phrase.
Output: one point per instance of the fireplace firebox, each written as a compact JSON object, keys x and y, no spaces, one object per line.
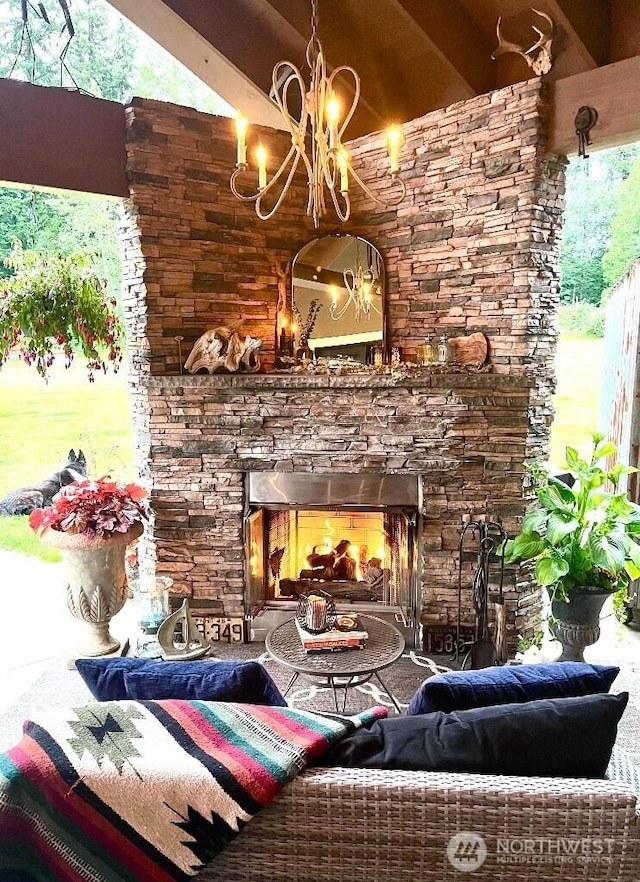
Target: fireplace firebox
{"x":354,"y":536}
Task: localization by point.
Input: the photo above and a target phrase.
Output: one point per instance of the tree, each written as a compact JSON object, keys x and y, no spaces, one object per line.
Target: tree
{"x":100,"y":56}
{"x":158,"y":75}
{"x":625,"y":228}
{"x":593,"y":190}
{"x":111,"y":59}
{"x":28,"y":217}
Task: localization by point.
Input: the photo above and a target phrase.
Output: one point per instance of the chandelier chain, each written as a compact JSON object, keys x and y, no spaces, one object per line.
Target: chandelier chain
{"x":321,"y":116}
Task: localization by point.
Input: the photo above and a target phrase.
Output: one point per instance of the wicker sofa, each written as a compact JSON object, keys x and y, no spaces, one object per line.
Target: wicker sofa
{"x":333,"y":825}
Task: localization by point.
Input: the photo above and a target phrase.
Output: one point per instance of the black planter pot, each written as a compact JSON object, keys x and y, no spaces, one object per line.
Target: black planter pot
{"x":577,"y":623}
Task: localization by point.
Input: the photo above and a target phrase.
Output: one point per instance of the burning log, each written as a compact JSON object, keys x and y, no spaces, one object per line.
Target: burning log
{"x":342,"y":590}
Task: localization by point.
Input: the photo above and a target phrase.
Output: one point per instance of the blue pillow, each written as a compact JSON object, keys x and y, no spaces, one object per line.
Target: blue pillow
{"x":459,"y":690}
{"x":142,"y":679}
{"x":553,"y":737}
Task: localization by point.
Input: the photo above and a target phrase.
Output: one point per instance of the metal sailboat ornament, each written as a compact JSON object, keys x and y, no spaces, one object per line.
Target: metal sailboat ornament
{"x":179,"y":637}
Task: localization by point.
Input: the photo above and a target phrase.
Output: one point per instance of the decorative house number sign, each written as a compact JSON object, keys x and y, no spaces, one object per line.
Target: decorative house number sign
{"x":441,"y":639}
{"x":218,"y":630}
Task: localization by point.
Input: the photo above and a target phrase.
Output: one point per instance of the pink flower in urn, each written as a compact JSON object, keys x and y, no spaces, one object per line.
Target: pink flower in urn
{"x":93,"y":508}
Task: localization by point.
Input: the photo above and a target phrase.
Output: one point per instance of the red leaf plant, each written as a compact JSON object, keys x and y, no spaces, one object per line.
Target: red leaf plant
{"x":92,"y":507}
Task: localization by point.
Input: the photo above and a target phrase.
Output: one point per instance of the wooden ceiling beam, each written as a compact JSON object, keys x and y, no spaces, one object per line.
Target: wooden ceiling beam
{"x":456,"y":39}
{"x":587,"y":23}
{"x":297,"y":16}
{"x":59,"y":139}
{"x":610,"y":90}
{"x":188,"y":46}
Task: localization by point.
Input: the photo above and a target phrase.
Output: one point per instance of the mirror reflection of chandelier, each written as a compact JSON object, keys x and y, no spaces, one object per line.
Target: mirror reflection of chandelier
{"x":360,"y":287}
{"x":319,"y":129}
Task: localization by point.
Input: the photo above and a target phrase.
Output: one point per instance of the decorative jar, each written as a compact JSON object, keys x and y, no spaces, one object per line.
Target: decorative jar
{"x":153,"y":608}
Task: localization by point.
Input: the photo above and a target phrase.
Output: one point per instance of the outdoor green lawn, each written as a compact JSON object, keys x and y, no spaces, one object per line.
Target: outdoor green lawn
{"x":577,"y":398}
{"x":40,"y":422}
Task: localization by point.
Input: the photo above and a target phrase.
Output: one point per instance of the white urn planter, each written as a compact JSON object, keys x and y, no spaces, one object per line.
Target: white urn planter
{"x":97,"y":582}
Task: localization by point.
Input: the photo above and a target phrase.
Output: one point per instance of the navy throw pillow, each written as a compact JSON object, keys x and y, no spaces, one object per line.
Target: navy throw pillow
{"x":553,"y":737}
{"x":460,"y":690}
{"x":142,"y":679}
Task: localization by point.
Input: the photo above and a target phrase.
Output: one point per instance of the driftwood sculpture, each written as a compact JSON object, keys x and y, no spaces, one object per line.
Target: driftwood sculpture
{"x":471,"y":351}
{"x":223,"y":349}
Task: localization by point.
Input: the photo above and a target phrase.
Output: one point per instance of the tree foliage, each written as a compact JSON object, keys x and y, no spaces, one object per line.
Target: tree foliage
{"x":593,"y":192}
{"x":109,"y":58}
{"x":100,"y":57}
{"x":624,"y":245}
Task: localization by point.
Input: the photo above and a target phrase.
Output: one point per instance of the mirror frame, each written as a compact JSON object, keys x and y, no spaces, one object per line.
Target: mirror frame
{"x":290,"y":348}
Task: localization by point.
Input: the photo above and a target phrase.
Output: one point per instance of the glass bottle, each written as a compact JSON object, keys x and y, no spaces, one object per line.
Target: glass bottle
{"x":425,"y":352}
{"x":443,"y":353}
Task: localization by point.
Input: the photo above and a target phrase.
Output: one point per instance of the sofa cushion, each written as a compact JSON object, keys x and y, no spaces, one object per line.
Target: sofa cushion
{"x":460,"y":690}
{"x":560,"y":737}
{"x":142,"y":679}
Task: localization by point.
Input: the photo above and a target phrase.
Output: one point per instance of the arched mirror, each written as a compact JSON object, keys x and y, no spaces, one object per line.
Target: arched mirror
{"x":338,"y":297}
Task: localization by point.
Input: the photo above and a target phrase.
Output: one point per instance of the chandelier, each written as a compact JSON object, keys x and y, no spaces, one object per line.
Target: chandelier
{"x":316,"y":139}
{"x":360,"y":285}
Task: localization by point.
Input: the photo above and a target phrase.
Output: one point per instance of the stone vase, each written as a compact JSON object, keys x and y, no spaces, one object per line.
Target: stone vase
{"x":97,"y":582}
{"x":577,"y":623}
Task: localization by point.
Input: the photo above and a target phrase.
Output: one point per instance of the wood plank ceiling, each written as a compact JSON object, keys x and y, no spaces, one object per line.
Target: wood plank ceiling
{"x":413,"y":56}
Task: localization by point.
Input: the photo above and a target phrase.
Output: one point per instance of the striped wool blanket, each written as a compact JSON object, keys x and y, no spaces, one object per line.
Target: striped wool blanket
{"x":126,"y":791}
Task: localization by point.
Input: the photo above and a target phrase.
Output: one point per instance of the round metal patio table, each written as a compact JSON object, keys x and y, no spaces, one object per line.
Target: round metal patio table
{"x":343,"y":669}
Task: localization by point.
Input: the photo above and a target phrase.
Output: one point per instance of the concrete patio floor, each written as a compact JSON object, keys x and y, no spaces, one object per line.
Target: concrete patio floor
{"x":39,"y":630}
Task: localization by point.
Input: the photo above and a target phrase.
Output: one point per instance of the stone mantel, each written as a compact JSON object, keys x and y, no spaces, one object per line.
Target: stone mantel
{"x":426,"y":379}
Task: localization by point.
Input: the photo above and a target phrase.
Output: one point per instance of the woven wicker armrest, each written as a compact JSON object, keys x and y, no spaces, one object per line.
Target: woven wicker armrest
{"x":334,"y":825}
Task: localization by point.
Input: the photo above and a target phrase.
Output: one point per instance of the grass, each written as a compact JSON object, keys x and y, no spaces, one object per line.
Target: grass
{"x":40,"y":422}
{"x":17,"y":535}
{"x":577,"y":399}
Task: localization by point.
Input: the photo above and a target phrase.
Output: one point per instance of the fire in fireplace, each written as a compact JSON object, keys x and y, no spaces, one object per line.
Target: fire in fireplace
{"x":354,"y":536}
{"x":355,"y":555}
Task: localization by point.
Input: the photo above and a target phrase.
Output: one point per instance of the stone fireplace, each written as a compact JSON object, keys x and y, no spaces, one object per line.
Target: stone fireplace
{"x":355,"y":536}
{"x":474,"y":247}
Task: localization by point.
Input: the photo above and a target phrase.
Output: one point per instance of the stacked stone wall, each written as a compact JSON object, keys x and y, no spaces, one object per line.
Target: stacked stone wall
{"x":472,"y":247}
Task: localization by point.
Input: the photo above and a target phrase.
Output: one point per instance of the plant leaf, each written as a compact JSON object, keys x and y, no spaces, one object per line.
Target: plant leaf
{"x":632,"y":570}
{"x":633,"y":553}
{"x":571,"y":456}
{"x":524,"y":547}
{"x":535,"y":519}
{"x":550,"y":569}
{"x":550,"y":499}
{"x":607,"y":553}
{"x":563,"y":490}
{"x":606,"y":449}
{"x":560,"y":525}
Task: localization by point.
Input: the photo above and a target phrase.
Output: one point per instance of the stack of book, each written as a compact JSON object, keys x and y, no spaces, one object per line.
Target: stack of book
{"x":331,"y":641}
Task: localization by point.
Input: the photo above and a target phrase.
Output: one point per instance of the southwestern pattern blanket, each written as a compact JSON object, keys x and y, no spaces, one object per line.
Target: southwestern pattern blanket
{"x":127,"y":791}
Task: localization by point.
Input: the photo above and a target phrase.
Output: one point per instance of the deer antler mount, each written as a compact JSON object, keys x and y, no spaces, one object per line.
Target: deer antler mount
{"x":538,"y":56}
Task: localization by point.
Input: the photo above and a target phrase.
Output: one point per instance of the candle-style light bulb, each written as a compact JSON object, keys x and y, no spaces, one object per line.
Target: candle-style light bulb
{"x":261,"y":159}
{"x":333,"y":118}
{"x":241,"y":134}
{"x":334,"y":296}
{"x":395,"y":140}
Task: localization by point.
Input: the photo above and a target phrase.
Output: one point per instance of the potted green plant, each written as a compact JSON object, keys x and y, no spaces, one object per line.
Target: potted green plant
{"x":55,"y":304}
{"x":91,"y":522}
{"x":583,"y":540}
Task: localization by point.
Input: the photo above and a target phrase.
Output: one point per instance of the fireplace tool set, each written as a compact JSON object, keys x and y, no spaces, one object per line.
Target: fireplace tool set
{"x":484,"y":651}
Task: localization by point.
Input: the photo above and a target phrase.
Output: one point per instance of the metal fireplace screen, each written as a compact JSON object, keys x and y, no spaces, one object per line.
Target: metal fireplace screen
{"x":350,"y":535}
